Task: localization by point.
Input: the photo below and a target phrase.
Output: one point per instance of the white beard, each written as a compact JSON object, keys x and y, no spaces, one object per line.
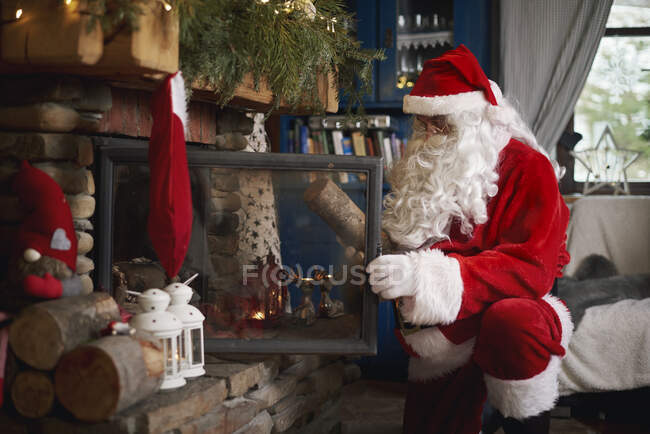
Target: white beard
{"x":443,"y":180}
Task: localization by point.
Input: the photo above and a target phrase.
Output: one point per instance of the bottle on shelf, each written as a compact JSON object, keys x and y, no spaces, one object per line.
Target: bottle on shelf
{"x":435,"y":25}
{"x":401,"y":24}
{"x":411,"y":59}
{"x":417,"y":27}
{"x":419,"y":58}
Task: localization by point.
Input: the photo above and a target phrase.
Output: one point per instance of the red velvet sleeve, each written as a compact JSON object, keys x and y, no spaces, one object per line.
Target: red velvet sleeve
{"x":529,"y":218}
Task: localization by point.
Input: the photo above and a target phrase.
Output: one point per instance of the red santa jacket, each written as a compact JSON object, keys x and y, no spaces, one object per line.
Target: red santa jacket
{"x":518,"y":252}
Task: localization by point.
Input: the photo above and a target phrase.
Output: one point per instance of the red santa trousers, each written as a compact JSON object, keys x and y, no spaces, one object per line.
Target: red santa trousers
{"x":509,"y":354}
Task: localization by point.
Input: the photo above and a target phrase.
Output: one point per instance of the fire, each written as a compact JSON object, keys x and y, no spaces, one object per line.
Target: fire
{"x":258,"y":315}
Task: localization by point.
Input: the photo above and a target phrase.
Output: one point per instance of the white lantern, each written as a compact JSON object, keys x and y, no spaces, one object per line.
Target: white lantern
{"x":192,"y":336}
{"x":165,"y":327}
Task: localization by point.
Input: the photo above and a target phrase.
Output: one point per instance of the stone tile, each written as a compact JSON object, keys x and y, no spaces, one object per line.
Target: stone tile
{"x":224,"y":180}
{"x":82,"y":225}
{"x":225,"y":265}
{"x":224,"y":419}
{"x":352,"y":372}
{"x":228,"y":202}
{"x":86,"y":283}
{"x":303,"y":366}
{"x":369,"y":407}
{"x":268,"y":395}
{"x":71,"y":179}
{"x":285,"y":403}
{"x":222,"y":223}
{"x":261,"y":424}
{"x":82,"y":206}
{"x":324,"y":421}
{"x":44,"y":146}
{"x":225,"y":245}
{"x":84,"y":265}
{"x":46,"y":117}
{"x":169,"y":410}
{"x":283,"y":420}
{"x":328,"y":380}
{"x":95,"y":97}
{"x":85,"y":242}
{"x":38,"y":88}
{"x":240,"y":377}
{"x":230,"y":142}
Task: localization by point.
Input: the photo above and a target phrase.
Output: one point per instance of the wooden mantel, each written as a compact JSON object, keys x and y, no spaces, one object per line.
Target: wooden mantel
{"x":56,"y":40}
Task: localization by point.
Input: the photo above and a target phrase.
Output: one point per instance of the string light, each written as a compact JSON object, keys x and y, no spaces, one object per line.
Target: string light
{"x":19,"y":13}
{"x":167,"y":6}
{"x":68,"y":2}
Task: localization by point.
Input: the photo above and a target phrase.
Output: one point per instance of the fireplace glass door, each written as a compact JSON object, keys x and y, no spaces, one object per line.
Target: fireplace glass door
{"x":280,"y":243}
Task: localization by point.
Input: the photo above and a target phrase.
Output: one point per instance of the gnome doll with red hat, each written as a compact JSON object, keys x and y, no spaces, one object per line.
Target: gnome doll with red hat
{"x":480,"y":224}
{"x":45,"y":251}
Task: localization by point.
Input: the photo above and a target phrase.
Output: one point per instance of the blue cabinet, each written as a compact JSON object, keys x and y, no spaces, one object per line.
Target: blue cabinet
{"x":411,"y":32}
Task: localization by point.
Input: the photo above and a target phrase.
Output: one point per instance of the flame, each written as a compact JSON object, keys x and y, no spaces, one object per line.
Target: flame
{"x":258,"y":315}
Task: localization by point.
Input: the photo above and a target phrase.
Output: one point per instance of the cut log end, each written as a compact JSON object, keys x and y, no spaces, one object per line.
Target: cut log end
{"x":36,"y":339}
{"x":315,"y":189}
{"x":87,"y":384}
{"x":32,"y":393}
{"x":45,"y":331}
{"x":96,"y":380}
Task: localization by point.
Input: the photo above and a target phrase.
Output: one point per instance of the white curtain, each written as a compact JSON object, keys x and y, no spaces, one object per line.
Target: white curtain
{"x":546,"y":51}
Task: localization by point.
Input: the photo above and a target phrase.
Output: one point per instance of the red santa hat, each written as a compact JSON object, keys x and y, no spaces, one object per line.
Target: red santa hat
{"x":47,"y":226}
{"x":451,"y":83}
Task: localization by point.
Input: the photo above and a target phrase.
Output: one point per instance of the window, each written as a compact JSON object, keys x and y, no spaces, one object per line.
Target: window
{"x":617,"y":94}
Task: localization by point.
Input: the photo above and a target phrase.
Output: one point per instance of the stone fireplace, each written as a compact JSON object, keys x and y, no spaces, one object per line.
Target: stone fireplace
{"x":58,"y":123}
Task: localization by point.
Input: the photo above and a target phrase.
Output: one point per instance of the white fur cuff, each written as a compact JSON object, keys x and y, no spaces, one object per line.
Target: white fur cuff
{"x":438,"y":355}
{"x":438,"y":289}
{"x":525,"y":398}
{"x":565,"y":318}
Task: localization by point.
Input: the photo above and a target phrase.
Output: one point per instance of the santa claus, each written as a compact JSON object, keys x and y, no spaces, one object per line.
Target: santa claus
{"x":476,"y":212}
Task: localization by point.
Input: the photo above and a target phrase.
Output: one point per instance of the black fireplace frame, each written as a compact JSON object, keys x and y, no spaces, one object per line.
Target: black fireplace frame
{"x":112,"y":151}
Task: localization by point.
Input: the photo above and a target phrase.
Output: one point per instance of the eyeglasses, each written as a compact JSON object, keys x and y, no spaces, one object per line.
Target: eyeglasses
{"x":435,"y":124}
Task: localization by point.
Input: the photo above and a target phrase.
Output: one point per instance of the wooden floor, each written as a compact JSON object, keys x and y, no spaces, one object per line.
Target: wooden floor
{"x":376,"y":407}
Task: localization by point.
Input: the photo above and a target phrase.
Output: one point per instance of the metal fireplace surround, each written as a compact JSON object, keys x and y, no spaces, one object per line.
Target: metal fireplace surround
{"x":117,"y":151}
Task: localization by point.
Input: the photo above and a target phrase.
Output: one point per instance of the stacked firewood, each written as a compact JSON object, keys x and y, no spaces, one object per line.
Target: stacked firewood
{"x":58,"y":355}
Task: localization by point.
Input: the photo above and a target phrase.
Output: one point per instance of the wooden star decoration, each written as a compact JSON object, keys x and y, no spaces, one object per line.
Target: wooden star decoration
{"x":606,"y":164}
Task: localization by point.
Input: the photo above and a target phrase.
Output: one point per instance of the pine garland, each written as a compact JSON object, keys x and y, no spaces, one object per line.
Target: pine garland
{"x":285,"y":42}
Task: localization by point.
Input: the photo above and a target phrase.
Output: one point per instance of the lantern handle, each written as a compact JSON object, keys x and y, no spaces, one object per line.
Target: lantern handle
{"x":188,"y":281}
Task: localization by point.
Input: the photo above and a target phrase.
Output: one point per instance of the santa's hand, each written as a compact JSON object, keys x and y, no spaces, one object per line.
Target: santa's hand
{"x":392,"y":276}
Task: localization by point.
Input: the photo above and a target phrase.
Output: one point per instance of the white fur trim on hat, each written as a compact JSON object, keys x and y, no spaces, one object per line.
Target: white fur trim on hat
{"x":447,"y":104}
{"x":438,"y":355}
{"x":529,"y":397}
{"x":438,"y":289}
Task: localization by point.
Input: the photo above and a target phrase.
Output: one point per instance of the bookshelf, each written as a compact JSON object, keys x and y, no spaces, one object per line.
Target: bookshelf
{"x":375,"y":136}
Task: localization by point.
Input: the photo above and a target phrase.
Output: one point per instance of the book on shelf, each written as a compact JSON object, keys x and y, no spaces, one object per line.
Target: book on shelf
{"x":347,"y":146}
{"x":388,"y":154}
{"x":359,"y":144}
